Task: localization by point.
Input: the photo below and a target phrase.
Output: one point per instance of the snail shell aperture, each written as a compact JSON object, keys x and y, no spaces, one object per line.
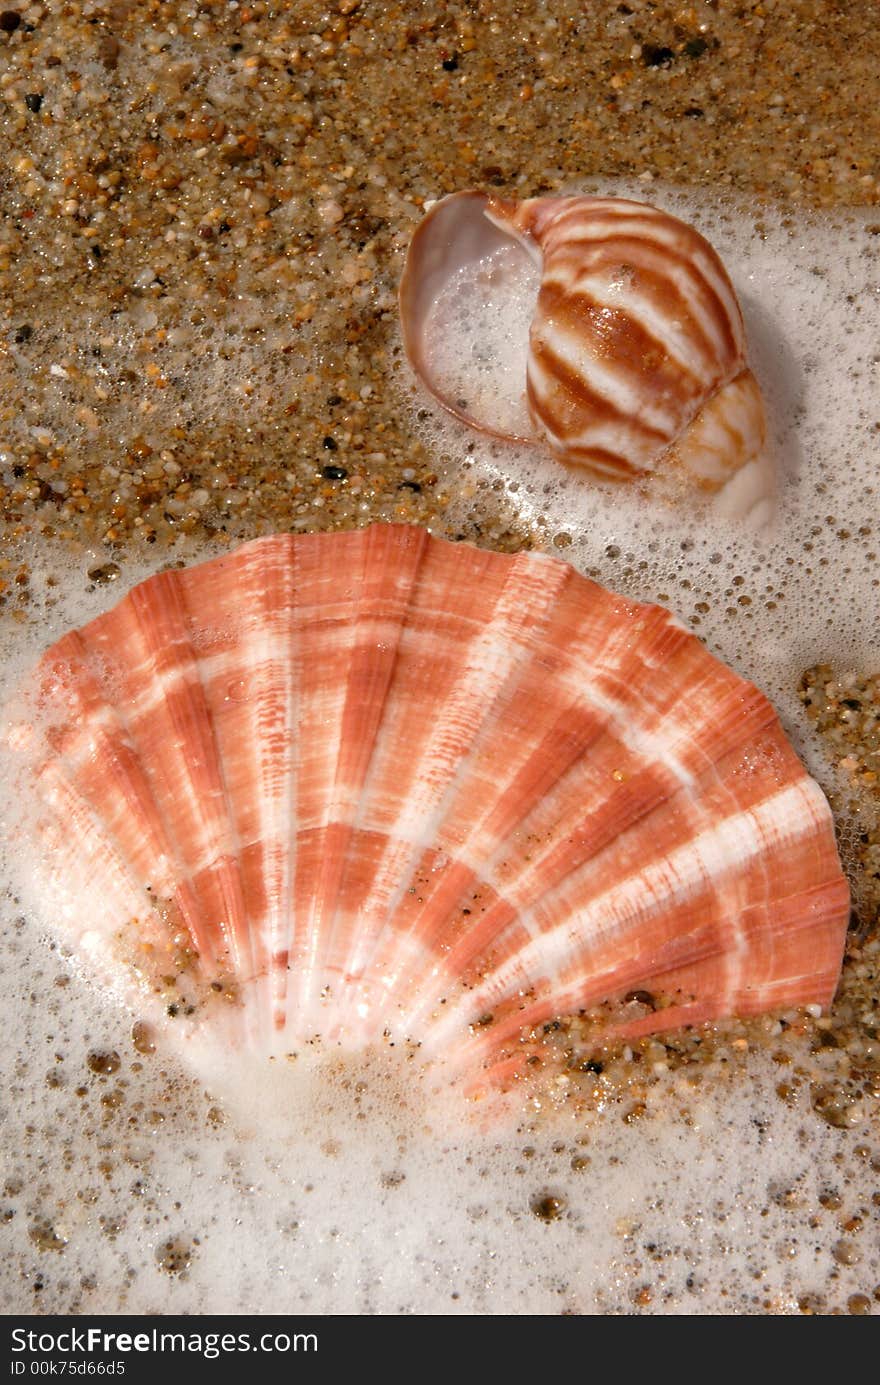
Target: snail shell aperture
{"x":636,"y":355}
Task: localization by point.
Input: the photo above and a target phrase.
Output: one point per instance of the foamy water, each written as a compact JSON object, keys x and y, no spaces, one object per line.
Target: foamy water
{"x":135,"y":1182}
{"x":484,"y":373}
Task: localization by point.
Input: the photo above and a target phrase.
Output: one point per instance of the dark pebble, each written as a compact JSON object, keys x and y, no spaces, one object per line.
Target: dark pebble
{"x":48,"y":496}
{"x":105,"y":572}
{"x":450,"y":64}
{"x":331,"y":444}
{"x":9,"y":21}
{"x":653,"y":56}
{"x":24,"y":333}
{"x":409,"y":486}
{"x":493,"y":174}
{"x":34,"y":101}
{"x":334,"y":473}
{"x":105,"y":1063}
{"x":695,"y":47}
{"x":548,"y":1207}
{"x":108,"y":51}
{"x":641,"y":998}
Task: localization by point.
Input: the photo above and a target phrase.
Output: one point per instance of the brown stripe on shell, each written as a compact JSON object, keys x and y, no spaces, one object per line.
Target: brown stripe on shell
{"x":563,"y":406}
{"x":645,"y":225}
{"x":627,"y":347}
{"x":655,"y":292}
{"x":547,"y":218}
{"x":607,"y":466}
{"x":642,"y":257}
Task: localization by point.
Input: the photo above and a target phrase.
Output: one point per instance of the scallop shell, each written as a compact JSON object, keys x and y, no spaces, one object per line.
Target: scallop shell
{"x":376,"y":786}
{"x":636,"y":357}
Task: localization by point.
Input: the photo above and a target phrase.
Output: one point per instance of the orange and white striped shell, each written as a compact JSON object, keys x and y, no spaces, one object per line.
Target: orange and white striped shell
{"x":636,"y":359}
{"x":375,"y":785}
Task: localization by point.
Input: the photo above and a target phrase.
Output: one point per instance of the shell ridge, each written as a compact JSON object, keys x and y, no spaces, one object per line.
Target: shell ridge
{"x":799,"y":921}
{"x":410,"y":680}
{"x":211,"y":665}
{"x":716,"y":852}
{"x":184,"y":694}
{"x":361,"y":876}
{"x":405,"y":844}
{"x":246,"y":685}
{"x":320,"y":655}
{"x":321,"y":651}
{"x":198,"y":797}
{"x":315,"y":618}
{"x":134,"y":838}
{"x":507,"y":925}
{"x":93,"y":732}
{"x":495,"y":657}
{"x":468,"y":840}
{"x":329,"y":833}
{"x":688,"y":261}
{"x":379,"y":616}
{"x":279,"y":931}
{"x":535,"y":715}
{"x":679,"y":988}
{"x":106,"y":634}
{"x":511,"y":891}
{"x":75,"y":818}
{"x":665,"y":779}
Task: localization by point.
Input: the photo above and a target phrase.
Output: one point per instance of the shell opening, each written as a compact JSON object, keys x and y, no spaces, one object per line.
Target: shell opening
{"x":467,"y":298}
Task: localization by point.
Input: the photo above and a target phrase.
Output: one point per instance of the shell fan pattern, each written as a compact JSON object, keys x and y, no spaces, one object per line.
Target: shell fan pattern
{"x":636,"y":363}
{"x":379,"y":787}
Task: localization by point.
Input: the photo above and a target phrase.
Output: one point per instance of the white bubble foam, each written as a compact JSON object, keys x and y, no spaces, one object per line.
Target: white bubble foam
{"x":487,"y":378}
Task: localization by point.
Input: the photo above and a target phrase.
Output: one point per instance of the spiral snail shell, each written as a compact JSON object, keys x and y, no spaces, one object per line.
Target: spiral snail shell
{"x":636,"y":356}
